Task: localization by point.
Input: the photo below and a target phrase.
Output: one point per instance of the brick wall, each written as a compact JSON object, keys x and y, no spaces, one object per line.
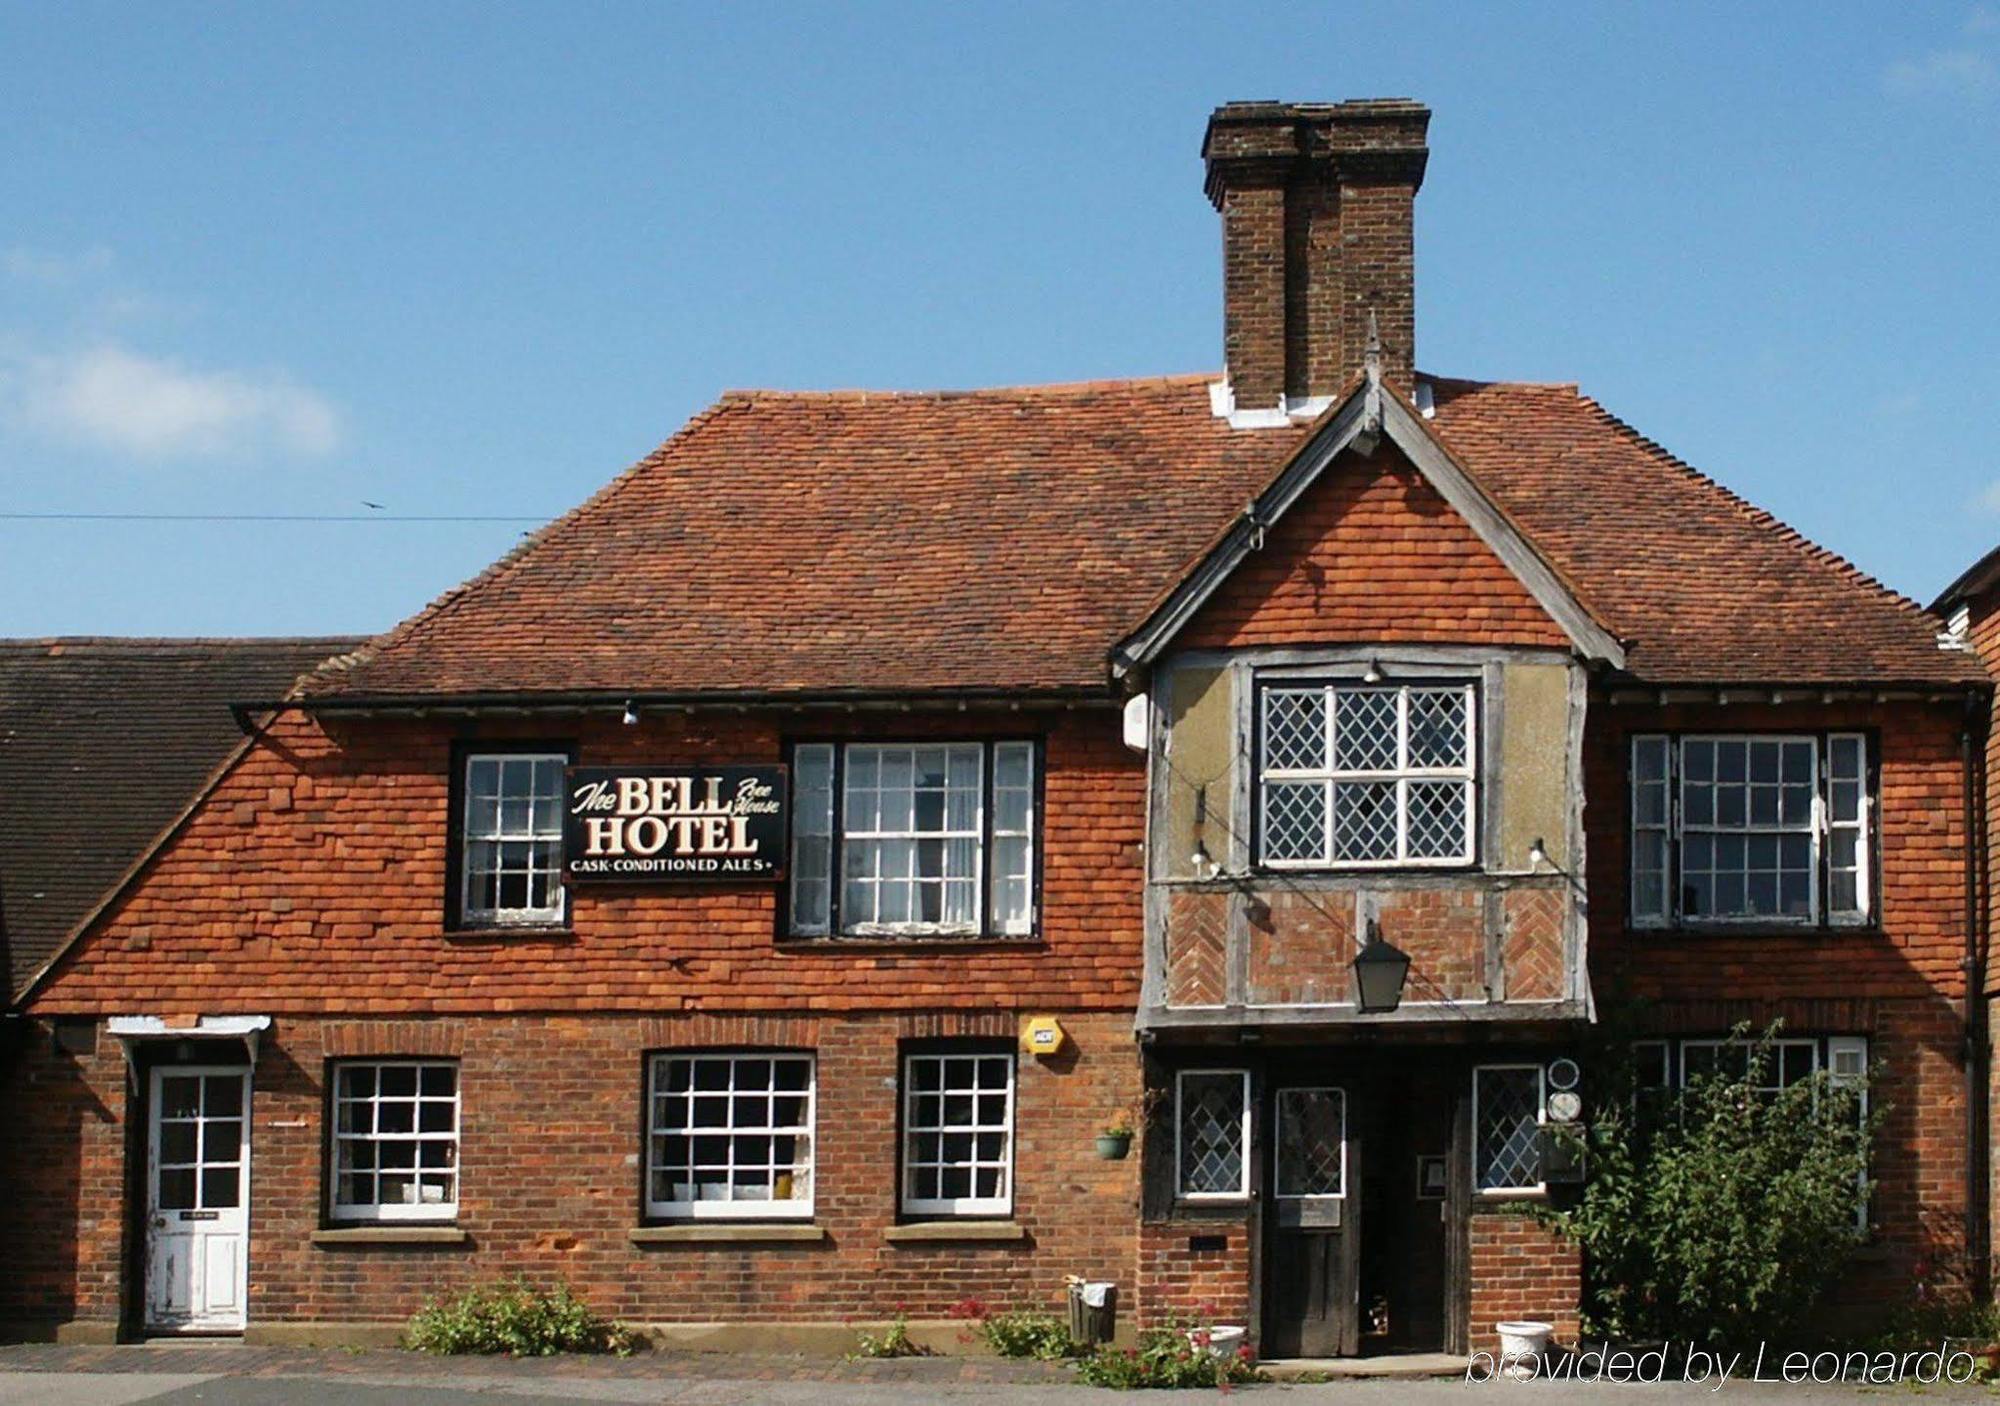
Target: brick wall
{"x":1520,"y":1269}
{"x":1373,"y":552}
{"x":1195,"y":1269}
{"x":1898,"y":983}
{"x":550,"y":1175}
{"x":313,"y":880}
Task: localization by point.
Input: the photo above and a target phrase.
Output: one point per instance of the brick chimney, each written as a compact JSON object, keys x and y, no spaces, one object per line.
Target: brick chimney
{"x":1316,"y":202}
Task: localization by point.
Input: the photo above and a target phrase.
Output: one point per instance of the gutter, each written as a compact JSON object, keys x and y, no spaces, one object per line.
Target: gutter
{"x":678,"y":700}
{"x":1978,"y":1154}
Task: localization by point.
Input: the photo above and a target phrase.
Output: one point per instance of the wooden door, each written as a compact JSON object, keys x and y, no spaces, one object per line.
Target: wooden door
{"x":1313,"y":1225}
{"x":197,"y":1199}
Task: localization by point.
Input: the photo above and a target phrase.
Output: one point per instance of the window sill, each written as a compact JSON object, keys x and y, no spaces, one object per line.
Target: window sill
{"x":390,"y":1235}
{"x":1756,"y":930}
{"x":723,"y":1233}
{"x":922,"y":942}
{"x":524,"y":933}
{"x":932,"y":1232}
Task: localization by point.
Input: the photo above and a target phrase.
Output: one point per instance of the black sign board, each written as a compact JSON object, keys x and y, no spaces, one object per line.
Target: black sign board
{"x":652,"y":824}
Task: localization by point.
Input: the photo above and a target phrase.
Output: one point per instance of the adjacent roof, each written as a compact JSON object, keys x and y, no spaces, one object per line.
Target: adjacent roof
{"x":103,"y":742}
{"x":1008,"y":539}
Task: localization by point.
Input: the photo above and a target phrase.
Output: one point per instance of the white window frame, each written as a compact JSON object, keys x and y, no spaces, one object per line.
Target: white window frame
{"x":797,"y":1207}
{"x":1278,"y":1191}
{"x":379,"y":1211}
{"x":471,"y":914}
{"x":1242,"y":1188}
{"x":1541,"y":1121}
{"x":1808,"y":1043}
{"x":815,"y":905}
{"x":1819,"y":828}
{"x":1001,"y":1205}
{"x":1401,"y":775}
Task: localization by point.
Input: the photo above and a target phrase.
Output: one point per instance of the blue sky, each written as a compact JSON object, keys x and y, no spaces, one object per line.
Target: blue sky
{"x":473,"y":259}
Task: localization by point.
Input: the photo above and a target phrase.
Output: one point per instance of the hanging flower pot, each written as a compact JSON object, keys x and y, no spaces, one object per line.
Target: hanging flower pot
{"x":1113,"y":1144}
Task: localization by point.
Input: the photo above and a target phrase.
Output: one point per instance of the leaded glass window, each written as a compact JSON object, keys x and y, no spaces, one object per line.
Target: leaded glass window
{"x":1212,"y":1133}
{"x":1367,"y":776}
{"x":1507,"y":1104}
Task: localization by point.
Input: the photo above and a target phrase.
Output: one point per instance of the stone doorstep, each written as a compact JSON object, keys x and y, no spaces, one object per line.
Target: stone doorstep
{"x":1410,"y":1366}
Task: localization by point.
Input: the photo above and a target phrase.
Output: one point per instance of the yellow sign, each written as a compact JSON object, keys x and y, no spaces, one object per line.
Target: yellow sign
{"x":1042,"y":1035}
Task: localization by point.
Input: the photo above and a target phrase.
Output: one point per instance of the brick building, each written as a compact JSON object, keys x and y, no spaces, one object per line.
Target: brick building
{"x":751,"y":898}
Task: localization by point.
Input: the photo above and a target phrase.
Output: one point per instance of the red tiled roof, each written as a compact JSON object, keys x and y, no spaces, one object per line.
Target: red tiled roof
{"x":1703,"y":586}
{"x":1006,"y":539}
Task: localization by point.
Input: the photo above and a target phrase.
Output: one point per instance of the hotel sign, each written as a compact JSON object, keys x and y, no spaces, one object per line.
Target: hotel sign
{"x":646,"y":824}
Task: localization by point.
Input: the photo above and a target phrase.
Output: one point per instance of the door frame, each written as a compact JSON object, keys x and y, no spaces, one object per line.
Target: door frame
{"x":148,"y":1160}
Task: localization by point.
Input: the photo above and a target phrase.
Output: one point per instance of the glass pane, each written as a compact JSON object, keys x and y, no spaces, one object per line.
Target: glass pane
{"x":1440,"y":731}
{"x":180,"y":1096}
{"x":223,"y":1096}
{"x":1211,"y":1134}
{"x":1437,"y":819}
{"x":1508,"y":1151}
{"x":1294,"y":730}
{"x":220,"y":1139}
{"x":221,"y":1187}
{"x":177,"y":1142}
{"x":1364,"y":729}
{"x":177,"y":1189}
{"x":1364,"y":821}
{"x":1312,"y":1131}
{"x":1294,"y":820}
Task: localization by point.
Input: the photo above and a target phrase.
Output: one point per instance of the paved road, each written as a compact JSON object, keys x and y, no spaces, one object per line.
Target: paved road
{"x":235,"y":1376}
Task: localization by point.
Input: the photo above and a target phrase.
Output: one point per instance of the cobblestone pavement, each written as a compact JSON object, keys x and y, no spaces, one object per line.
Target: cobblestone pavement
{"x":184,"y":1374}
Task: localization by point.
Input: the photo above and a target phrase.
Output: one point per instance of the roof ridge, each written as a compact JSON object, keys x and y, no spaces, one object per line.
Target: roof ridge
{"x":1762,"y":518}
{"x":862,"y":393}
{"x":103,"y":641}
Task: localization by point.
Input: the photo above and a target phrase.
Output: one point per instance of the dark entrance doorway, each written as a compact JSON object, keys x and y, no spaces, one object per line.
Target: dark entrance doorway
{"x":1364,"y":1204}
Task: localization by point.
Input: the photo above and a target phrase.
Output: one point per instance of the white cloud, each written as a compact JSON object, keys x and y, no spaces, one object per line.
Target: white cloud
{"x":51,"y":269}
{"x":111,"y":398}
{"x":1945,"y":73}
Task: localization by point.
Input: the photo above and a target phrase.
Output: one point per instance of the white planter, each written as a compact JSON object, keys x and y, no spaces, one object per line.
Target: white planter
{"x":1523,"y":1342}
{"x":1223,"y":1340}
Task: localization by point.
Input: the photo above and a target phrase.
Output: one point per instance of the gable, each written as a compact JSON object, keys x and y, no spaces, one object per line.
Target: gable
{"x":1372,"y":551}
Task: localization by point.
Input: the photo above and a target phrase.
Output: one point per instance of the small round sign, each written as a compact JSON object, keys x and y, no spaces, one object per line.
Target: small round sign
{"x":1563,"y":1074}
{"x":1565,"y":1106}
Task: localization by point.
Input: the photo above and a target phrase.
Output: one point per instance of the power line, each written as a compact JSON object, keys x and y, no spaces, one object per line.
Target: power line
{"x":268,"y":517}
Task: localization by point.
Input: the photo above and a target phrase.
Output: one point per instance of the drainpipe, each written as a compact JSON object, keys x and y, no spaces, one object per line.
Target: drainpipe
{"x":1977,"y":1149}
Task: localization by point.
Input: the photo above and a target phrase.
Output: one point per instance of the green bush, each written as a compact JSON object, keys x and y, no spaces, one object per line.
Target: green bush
{"x":1042,"y":1336}
{"x":514,"y":1318}
{"x":1166,"y":1357}
{"x":1722,"y":1211}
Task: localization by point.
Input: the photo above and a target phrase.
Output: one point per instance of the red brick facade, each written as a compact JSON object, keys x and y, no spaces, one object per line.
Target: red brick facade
{"x":550,"y":1185}
{"x":966,"y":567}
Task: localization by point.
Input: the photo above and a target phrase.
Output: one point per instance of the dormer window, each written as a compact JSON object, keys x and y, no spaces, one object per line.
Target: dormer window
{"x":1366,"y":776}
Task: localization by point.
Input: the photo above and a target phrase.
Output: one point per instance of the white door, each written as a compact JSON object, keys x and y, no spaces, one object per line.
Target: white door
{"x":198,"y":1199}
